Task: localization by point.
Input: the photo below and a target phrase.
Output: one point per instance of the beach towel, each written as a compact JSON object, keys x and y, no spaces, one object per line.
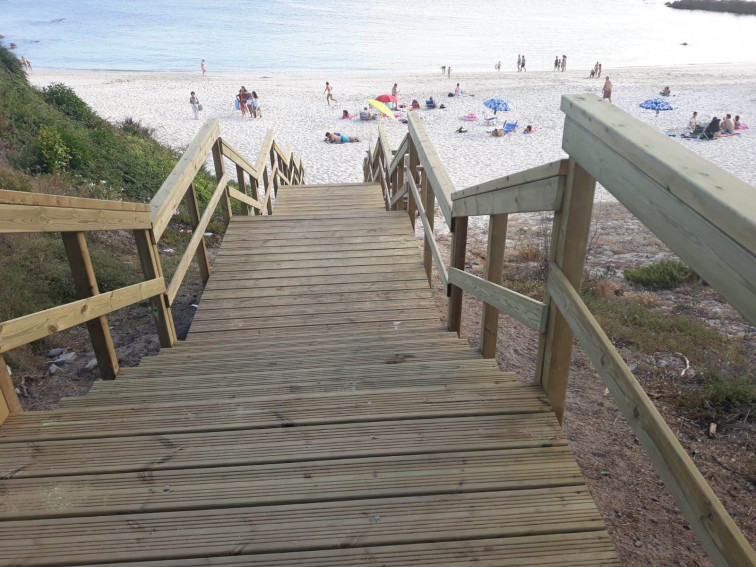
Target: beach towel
{"x":471,"y":117}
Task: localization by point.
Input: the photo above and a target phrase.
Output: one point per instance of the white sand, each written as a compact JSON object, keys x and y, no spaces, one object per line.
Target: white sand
{"x":295,"y":108}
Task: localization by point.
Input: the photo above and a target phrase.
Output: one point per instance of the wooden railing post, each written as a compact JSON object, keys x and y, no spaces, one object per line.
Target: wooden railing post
{"x":194,"y":216}
{"x":255,"y":192}
{"x":266,"y":189}
{"x":149,"y":258}
{"x":489,"y":326}
{"x":457,"y":260}
{"x":275,"y":165}
{"x":399,"y":205}
{"x":220,"y":171}
{"x":9,"y":404}
{"x":569,"y":241}
{"x":414,"y":162}
{"x":85,"y":282}
{"x":429,"y":204}
{"x":242,"y":188}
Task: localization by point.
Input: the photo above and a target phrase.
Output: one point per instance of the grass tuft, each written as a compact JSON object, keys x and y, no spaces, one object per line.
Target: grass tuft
{"x":665,"y":274}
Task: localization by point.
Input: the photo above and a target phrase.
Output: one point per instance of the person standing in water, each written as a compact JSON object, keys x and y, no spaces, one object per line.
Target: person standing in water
{"x":202,"y":66}
{"x":329,"y":93}
{"x":564,"y":63}
{"x":599,"y":70}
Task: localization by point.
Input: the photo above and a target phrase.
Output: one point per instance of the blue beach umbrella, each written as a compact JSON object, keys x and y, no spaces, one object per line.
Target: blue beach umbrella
{"x":497,"y":104}
{"x":656,"y":104}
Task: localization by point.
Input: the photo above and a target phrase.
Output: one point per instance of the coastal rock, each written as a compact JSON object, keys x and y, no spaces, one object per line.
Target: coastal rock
{"x":91,"y":365}
{"x":55,"y":352}
{"x":53,"y":369}
{"x":65,"y":358}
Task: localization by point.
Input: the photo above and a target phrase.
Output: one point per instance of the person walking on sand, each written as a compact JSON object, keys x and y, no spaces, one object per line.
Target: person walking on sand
{"x":608,"y":90}
{"x":196,"y":106}
{"x":498,"y":66}
{"x":556,"y":63}
{"x":395,"y":90}
{"x":448,"y":72}
{"x":202,"y":66}
{"x":519,"y":62}
{"x":595,"y":70}
{"x":564,"y":63}
{"x":443,"y":69}
{"x":523,"y":64}
{"x":329,"y":94}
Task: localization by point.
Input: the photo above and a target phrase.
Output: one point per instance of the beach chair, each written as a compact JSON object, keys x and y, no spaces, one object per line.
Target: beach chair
{"x":510,"y":127}
{"x":430,"y":104}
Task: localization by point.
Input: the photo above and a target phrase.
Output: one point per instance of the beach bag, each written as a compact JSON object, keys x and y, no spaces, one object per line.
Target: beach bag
{"x":450,"y":95}
{"x":258,"y":113}
{"x":497,"y":133}
{"x":236,"y":104}
{"x":199,"y":107}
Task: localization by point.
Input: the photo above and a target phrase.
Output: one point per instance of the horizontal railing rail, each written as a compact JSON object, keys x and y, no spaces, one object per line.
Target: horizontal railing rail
{"x":73,"y":216}
{"x":704,"y":214}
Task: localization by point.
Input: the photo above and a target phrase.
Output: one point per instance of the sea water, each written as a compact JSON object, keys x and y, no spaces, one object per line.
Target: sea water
{"x":364,"y":35}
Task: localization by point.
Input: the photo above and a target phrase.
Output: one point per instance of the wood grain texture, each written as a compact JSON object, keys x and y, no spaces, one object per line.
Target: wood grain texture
{"x":439,"y":179}
{"x":37,"y":218}
{"x":45,"y":200}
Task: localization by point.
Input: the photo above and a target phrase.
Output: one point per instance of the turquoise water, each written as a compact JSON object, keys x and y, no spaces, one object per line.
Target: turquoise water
{"x":351,"y":35}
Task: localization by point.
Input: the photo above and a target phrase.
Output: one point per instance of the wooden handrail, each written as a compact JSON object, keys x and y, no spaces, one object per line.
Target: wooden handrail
{"x":231,"y":153}
{"x":37,"y":218}
{"x":429,"y":238}
{"x":723,"y":541}
{"x":28,"y":328}
{"x":45,"y":200}
{"x":438,"y":178}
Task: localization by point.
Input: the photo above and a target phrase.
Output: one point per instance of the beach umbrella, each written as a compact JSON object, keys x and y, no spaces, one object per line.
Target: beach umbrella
{"x":385,"y":98}
{"x":382,"y":108}
{"x":497,"y":104}
{"x":656,"y":104}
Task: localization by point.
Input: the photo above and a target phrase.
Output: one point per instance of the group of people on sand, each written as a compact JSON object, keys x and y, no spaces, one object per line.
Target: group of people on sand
{"x":717,"y":127}
{"x":446,"y":69}
{"x":249,"y":104}
{"x":560,"y":64}
{"x":521,"y":63}
{"x":596,"y":71}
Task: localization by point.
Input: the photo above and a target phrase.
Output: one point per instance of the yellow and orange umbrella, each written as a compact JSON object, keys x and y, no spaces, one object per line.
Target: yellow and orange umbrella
{"x":382,"y":108}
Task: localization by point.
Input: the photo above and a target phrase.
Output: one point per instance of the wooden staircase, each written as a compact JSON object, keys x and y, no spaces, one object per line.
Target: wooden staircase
{"x":317,"y":415}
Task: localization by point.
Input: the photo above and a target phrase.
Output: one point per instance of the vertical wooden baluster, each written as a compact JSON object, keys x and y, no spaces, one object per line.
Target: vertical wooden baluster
{"x":9,"y":404}
{"x":194,"y":217}
{"x":429,"y":204}
{"x":242,"y":188}
{"x":149,"y":258}
{"x":85,"y":282}
{"x":458,"y":252}
{"x":253,"y":189}
{"x":414,"y":162}
{"x":489,"y":326}
{"x":399,"y":205}
{"x":273,"y":163}
{"x":266,"y":189}
{"x":569,"y":241}
{"x":220,"y":170}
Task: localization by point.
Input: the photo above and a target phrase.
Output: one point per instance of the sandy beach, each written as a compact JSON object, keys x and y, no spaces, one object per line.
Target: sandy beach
{"x":295,"y":107}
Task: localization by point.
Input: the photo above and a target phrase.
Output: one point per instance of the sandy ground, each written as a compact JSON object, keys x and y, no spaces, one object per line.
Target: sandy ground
{"x":295,"y":107}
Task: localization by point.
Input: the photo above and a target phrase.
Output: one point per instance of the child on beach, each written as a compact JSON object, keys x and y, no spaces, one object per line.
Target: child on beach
{"x":607,"y":90}
{"x":329,"y":94}
{"x":196,"y":106}
{"x":458,"y":91}
{"x":202,"y":66}
{"x":693,"y":122}
{"x":254,"y":106}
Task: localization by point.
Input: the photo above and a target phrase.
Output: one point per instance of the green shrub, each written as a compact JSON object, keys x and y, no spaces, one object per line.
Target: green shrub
{"x":665,"y":274}
{"x":52,"y":152}
{"x":724,"y":395}
{"x":136,"y":128}
{"x":11,"y":64}
{"x":64,"y":98}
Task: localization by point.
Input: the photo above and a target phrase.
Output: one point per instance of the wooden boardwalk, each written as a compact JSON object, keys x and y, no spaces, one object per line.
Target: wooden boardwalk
{"x":317,"y":415}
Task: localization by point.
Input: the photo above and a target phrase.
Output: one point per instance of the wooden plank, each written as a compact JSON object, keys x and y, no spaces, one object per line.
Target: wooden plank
{"x":149,"y":259}
{"x":317,"y":289}
{"x":220,"y":176}
{"x":429,"y":238}
{"x":24,"y":330}
{"x":489,"y":322}
{"x":278,"y":445}
{"x":569,"y":241}
{"x":399,"y":195}
{"x":434,"y":169}
{"x":235,"y":156}
{"x":262,"y":157}
{"x":526,"y":310}
{"x":539,"y":173}
{"x":716,"y":195}
{"x":347,"y":479}
{"x":202,"y":257}
{"x":726,"y":265}
{"x":277,"y":411}
{"x":398,"y":159}
{"x":240,"y":182}
{"x":723,"y":541}
{"x":296,"y":527}
{"x":335,"y":271}
{"x":458,"y":252}
{"x":9,"y":403}
{"x":315,"y":280}
{"x":172,"y":190}
{"x":45,"y":200}
{"x":582,"y":549}
{"x":536,"y":196}
{"x":85,"y":282}
{"x":36,"y":218}
{"x":197,"y":236}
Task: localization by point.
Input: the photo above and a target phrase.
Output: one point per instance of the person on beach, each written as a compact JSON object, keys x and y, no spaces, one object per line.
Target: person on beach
{"x":242,"y":98}
{"x":415,"y":105}
{"x":254,"y":105}
{"x":346,"y":116}
{"x":25,"y":64}
{"x":556,"y":63}
{"x":329,"y":94}
{"x":202,"y":66}
{"x":522,"y":66}
{"x":395,"y":90}
{"x":443,"y":69}
{"x":693,"y":122}
{"x":728,"y":126}
{"x":519,"y":63}
{"x":665,"y":91}
{"x":712,"y":130}
{"x":608,"y":90}
{"x":448,"y":72}
{"x":498,"y":67}
{"x":337,"y":138}
{"x":194,"y":101}
{"x":564,"y":63}
{"x":528,"y":129}
{"x":737,"y":122}
{"x":599,"y":70}
{"x":458,"y":91}
{"x":595,"y":70}
{"x":592,"y":73}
